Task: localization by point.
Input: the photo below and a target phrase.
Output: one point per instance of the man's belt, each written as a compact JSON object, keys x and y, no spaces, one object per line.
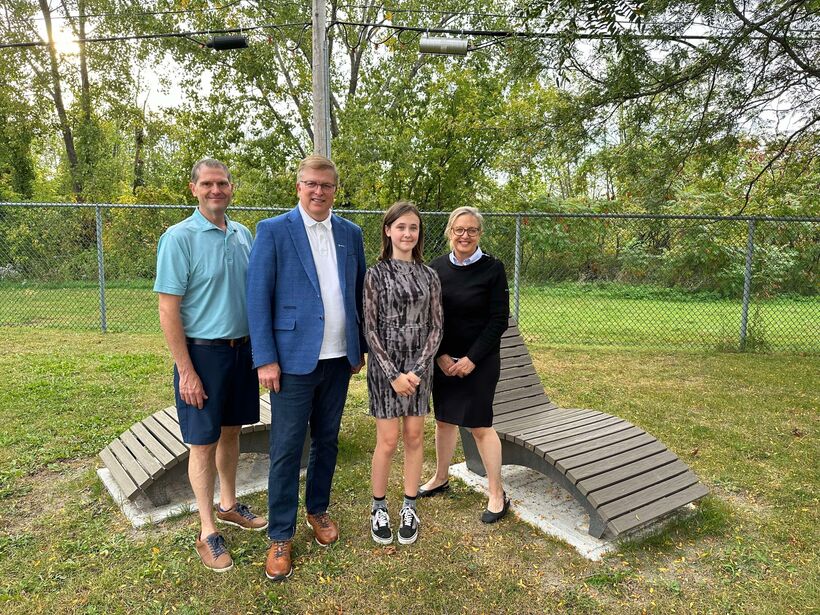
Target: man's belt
{"x":232,"y":343}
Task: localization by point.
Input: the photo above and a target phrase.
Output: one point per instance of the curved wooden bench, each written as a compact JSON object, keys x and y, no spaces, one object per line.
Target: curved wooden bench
{"x":623,"y":476}
{"x":150,"y":456}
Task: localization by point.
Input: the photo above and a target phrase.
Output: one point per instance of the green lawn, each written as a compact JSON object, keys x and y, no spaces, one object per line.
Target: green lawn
{"x":746,"y":423}
{"x":562,"y":314}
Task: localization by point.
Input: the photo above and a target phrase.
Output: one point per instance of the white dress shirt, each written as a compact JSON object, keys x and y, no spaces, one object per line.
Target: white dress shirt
{"x":467,"y":261}
{"x":323,"y":248}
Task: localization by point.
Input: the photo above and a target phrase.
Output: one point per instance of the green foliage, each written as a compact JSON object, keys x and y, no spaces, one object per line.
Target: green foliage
{"x":647,"y":124}
{"x":16,"y":161}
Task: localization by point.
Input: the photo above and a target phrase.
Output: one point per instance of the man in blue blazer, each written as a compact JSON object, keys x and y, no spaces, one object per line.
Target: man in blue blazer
{"x":305,"y":285}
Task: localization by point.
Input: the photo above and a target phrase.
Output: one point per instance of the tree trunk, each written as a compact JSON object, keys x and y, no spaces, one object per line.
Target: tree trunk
{"x":57,"y":95}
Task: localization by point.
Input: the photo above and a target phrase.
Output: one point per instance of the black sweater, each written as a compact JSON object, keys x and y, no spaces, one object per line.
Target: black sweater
{"x":476,"y":302}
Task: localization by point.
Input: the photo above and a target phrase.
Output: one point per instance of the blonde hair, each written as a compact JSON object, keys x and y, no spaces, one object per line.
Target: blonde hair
{"x":317,"y":163}
{"x":455,"y":214}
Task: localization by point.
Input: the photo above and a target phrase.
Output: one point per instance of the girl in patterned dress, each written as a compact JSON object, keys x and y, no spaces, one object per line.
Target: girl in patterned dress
{"x":403,"y":325}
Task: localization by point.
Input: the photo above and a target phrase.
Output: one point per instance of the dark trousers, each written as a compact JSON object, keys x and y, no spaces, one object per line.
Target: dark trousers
{"x":316,"y":400}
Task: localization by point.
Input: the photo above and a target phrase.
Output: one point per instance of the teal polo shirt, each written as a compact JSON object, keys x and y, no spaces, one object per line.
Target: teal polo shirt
{"x":207,"y":267}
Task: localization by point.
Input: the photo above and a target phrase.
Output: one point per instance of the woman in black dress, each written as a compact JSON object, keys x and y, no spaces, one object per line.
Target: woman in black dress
{"x":476,"y":302}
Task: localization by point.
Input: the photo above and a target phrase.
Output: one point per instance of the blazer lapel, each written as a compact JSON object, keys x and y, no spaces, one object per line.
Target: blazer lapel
{"x":340,"y":238}
{"x":298,"y":234}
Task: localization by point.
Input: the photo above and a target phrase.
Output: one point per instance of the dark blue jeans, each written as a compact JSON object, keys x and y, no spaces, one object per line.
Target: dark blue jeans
{"x":316,"y":400}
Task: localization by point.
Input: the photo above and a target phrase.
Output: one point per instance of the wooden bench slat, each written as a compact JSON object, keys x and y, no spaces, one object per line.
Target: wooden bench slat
{"x":170,"y":442}
{"x":563,"y":424}
{"x":557,"y":437}
{"x":625,"y":439}
{"x":657,"y":509}
{"x":264,"y":414}
{"x":157,"y":448}
{"x":513,"y":424}
{"x":508,"y":355}
{"x":519,"y":393}
{"x":515,"y":419}
{"x":524,"y":410}
{"x":126,"y":484}
{"x":600,"y":466}
{"x":617,"y":475}
{"x":516,"y":372}
{"x":519,"y":361}
{"x":170,"y":424}
{"x":171,"y":413}
{"x":604,"y":448}
{"x":517,"y":404}
{"x":577,"y":418}
{"x":648,"y":495}
{"x":633,"y":485}
{"x":547,"y":448}
{"x":146,"y":459}
{"x":506,"y":385}
{"x":512,"y":331}
{"x":556,"y":433}
{"x":130,"y":464}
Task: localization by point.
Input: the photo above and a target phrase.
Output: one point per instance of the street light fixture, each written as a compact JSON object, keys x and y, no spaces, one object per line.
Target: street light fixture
{"x":441,"y":45}
{"x":231,"y":41}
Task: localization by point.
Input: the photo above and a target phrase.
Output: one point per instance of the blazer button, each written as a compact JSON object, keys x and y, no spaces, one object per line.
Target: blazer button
{"x":321,"y":317}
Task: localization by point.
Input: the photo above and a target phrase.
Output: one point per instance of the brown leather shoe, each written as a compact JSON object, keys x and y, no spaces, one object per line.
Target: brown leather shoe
{"x":324,"y":528}
{"x":242,"y":517}
{"x":213,"y":553}
{"x":278,"y":565}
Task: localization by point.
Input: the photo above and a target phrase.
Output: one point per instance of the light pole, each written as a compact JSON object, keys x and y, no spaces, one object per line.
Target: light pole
{"x":321,"y":81}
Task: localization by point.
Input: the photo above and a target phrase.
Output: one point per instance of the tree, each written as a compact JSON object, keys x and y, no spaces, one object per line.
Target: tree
{"x":696,"y":80}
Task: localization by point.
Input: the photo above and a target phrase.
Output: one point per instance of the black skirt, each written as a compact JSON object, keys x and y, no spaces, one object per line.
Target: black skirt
{"x":468,"y":401}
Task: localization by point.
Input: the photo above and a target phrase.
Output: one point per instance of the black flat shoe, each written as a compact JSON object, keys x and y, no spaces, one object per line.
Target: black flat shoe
{"x":428,"y":493}
{"x":491,"y":517}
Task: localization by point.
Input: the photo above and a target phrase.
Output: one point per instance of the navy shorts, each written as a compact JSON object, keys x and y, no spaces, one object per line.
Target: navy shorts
{"x":232,"y":388}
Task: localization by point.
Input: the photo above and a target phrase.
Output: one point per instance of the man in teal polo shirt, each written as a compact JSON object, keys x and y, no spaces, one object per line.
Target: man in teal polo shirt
{"x":201,"y":267}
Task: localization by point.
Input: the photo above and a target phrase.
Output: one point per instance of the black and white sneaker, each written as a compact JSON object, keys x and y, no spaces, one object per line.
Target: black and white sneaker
{"x":380,"y":526}
{"x":409,"y":528}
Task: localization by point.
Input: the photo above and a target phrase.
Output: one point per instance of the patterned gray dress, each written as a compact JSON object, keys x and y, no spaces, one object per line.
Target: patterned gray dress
{"x":402,"y":316}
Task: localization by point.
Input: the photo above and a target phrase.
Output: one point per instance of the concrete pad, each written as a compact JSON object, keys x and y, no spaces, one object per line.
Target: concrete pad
{"x":549,"y":507}
{"x":251,"y":477}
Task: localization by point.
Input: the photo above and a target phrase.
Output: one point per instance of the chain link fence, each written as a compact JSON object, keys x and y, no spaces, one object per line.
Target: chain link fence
{"x":698,"y":282}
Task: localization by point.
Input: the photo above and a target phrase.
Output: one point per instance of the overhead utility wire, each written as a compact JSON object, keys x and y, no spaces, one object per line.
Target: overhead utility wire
{"x":421,"y":30}
{"x":530,"y":34}
{"x":186,"y":34}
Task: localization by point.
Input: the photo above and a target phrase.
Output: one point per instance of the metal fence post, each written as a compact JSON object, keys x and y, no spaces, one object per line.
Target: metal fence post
{"x":100,"y":268}
{"x":517,"y":272}
{"x":747,"y":284}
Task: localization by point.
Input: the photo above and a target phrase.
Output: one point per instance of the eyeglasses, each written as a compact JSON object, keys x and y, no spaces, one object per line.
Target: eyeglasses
{"x":471,"y":232}
{"x":313,"y":185}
